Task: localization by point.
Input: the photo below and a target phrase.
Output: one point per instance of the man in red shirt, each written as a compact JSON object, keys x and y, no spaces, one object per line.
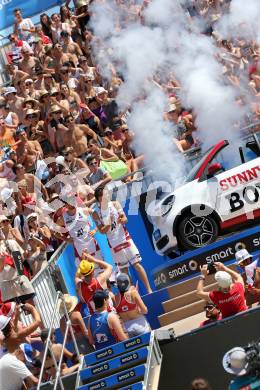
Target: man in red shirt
{"x":230,"y":296}
{"x":212,"y":313}
{"x":87,"y":284}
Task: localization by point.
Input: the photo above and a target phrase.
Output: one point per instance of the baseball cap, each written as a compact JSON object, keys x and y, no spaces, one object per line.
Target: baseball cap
{"x":10,"y":90}
{"x":99,"y":90}
{"x":223,"y":279}
{"x":8,"y":308}
{"x":234,"y":361}
{"x":28,"y":352}
{"x":60,"y":160}
{"x":31,"y":216}
{"x":242,"y":255}
{"x":86,"y":267}
{"x":4,"y":321}
{"x":20,"y":129}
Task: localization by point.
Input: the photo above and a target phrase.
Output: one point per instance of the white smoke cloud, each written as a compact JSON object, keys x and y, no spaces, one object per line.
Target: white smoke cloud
{"x":167,"y":41}
{"x":242,"y":21}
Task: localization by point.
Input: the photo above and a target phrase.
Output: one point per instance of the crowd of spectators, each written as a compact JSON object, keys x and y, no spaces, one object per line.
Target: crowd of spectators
{"x":59,"y":118}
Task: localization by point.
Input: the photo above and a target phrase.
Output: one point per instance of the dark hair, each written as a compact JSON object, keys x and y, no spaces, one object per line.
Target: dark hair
{"x":200,"y":384}
{"x":44,"y":334}
{"x":46,"y":28}
{"x":17,"y":10}
{"x":99,"y":192}
{"x":89,"y":159}
{"x":62,"y":12}
{"x":99,"y":298}
{"x":7,"y":330}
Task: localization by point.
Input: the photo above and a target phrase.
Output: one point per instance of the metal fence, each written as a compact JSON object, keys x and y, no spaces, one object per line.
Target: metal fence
{"x":45,"y":287}
{"x":5,"y":47}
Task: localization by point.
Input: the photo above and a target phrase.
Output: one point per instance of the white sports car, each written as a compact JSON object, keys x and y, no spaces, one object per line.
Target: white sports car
{"x":214,"y":197}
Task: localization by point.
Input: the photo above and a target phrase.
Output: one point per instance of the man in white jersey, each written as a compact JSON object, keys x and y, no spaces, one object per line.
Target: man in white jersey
{"x":76,"y":221}
{"x":111,"y":220}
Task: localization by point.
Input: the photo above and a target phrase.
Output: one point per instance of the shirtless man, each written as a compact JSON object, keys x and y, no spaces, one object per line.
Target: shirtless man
{"x":33,"y":183}
{"x":70,"y":47}
{"x":76,"y":136}
{"x":59,"y":57}
{"x":15,"y":74}
{"x":15,"y":103}
{"x":27,"y":151}
{"x":28,"y":63}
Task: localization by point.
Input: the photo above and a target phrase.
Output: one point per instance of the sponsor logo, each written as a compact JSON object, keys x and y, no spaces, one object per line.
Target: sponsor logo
{"x":99,"y":385}
{"x":104,"y":353}
{"x":189,"y":267}
{"x":132,"y":343}
{"x":129,"y":358}
{"x":240,"y":178}
{"x":125,"y":376}
{"x":97,"y":370}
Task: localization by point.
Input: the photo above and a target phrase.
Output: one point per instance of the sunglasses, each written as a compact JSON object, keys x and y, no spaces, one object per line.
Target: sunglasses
{"x":55,"y":94}
{"x":93,"y":164}
{"x":64,"y":72}
{"x":31,"y":116}
{"x":124,"y":130}
{"x":57,"y":112}
{"x":209,"y":307}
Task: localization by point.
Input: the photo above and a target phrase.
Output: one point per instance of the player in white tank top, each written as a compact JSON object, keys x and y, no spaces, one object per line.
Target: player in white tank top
{"x":111,"y":219}
{"x":78,"y":226}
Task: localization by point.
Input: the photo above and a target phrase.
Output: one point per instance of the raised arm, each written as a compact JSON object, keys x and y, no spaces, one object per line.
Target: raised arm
{"x":200,"y":287}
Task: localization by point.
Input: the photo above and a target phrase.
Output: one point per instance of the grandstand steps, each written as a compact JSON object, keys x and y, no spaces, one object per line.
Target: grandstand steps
{"x":182,"y":313}
{"x":185,"y":299}
{"x":184,"y":302}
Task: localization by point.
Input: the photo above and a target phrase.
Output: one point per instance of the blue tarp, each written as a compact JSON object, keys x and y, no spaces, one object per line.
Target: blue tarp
{"x":28,"y":8}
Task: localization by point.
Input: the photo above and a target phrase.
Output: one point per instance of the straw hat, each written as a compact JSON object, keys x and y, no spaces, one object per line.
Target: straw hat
{"x":54,"y":108}
{"x":70,"y":303}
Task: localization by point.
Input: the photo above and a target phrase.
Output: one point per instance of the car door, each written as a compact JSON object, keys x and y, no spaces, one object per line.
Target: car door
{"x":238,"y":193}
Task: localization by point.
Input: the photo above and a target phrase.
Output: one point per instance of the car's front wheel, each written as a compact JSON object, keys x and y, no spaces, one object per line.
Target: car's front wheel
{"x":194,"y":232}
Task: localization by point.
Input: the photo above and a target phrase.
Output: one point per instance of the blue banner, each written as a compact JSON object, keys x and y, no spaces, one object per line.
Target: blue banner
{"x":28,"y":8}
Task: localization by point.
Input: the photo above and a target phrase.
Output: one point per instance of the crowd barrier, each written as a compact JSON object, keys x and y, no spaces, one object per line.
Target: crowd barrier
{"x":4,"y":49}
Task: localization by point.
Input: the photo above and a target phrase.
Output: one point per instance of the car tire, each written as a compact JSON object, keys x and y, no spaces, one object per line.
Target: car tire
{"x":195,"y":232}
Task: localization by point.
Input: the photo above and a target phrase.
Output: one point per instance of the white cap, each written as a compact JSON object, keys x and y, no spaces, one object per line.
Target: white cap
{"x":60,"y":160}
{"x":99,"y":90}
{"x":242,"y":255}
{"x":234,"y":361}
{"x":32,"y":215}
{"x":4,"y":321}
{"x":223,"y":279}
{"x":9,"y":90}
{"x":28,"y":80}
{"x":5,"y":194}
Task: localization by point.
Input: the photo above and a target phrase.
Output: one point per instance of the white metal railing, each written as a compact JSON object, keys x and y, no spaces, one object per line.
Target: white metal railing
{"x":46,"y":293}
{"x":48,"y":347}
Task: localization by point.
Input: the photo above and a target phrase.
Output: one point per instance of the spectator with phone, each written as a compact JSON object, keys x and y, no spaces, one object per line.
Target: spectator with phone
{"x":230,"y":296}
{"x":13,"y":337}
{"x":250,"y":274}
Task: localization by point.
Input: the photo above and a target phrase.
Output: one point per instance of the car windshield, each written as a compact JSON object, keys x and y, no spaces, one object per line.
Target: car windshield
{"x":195,"y":169}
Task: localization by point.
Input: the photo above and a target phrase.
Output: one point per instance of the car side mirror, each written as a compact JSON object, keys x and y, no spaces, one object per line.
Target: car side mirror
{"x":213,"y":169}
